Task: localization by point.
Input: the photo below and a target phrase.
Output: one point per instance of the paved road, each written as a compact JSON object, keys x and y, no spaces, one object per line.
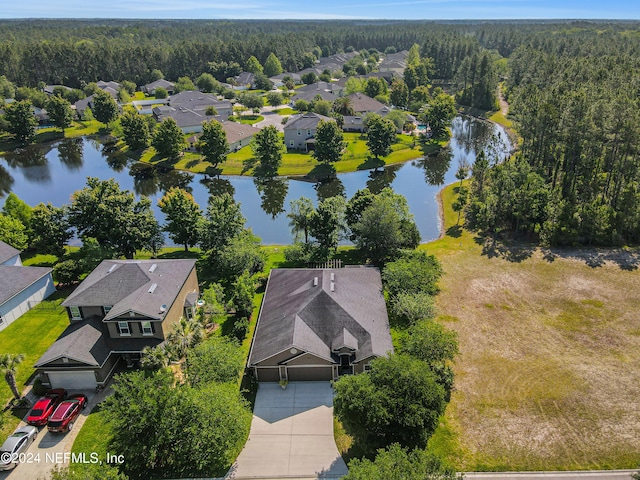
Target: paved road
{"x":270,"y":118}
{"x":291,"y":434}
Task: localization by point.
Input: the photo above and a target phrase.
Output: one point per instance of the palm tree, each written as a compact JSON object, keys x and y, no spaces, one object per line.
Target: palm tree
{"x":154,"y":358}
{"x":185,"y":334}
{"x":343,"y":106}
{"x":9,"y":363}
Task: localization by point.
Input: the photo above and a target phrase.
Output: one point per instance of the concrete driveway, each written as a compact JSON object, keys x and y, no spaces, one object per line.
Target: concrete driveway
{"x":52,"y":449}
{"x":291,"y":434}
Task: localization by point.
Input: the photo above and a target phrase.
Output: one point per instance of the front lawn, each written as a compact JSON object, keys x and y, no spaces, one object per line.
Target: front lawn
{"x":32,"y":334}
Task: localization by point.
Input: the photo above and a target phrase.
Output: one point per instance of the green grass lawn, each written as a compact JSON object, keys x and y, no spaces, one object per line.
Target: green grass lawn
{"x":285,"y":111}
{"x":32,"y":334}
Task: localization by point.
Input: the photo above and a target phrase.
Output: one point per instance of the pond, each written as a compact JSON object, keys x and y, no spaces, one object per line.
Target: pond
{"x":52,"y":175}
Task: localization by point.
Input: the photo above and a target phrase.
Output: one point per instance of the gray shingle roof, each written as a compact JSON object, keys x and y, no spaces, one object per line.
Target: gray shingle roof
{"x":362,"y":103}
{"x":125,"y":285}
{"x":196,"y":100}
{"x":14,"y":279}
{"x":306,"y":121}
{"x":7,"y":252}
{"x":315,"y":319}
{"x":238,"y":131}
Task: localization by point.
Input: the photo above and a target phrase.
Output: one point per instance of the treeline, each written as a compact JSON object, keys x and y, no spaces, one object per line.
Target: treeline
{"x":576,"y":178}
{"x":76,"y":52}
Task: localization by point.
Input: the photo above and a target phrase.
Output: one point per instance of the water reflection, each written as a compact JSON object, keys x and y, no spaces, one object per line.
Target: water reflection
{"x":6,"y":181}
{"x":330,"y":187}
{"x":149,"y":179}
{"x":273,"y":192}
{"x":381,"y":179}
{"x":70,"y":153}
{"x":436,"y":166}
{"x":218,"y":186}
{"x":32,"y":162}
{"x":471,"y":134}
{"x":116,"y":161}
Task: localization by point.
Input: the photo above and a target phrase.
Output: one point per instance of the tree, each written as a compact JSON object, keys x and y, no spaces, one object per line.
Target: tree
{"x":50,"y":229}
{"x":67,"y":271}
{"x":223,"y":222}
{"x":112,"y":216}
{"x":207,"y":83}
{"x":161,"y":93}
{"x":330,"y":143}
{"x":375,"y":86}
{"x":300,"y":214}
{"x":185,"y":334}
{"x":381,"y":134}
{"x":399,"y":400}
{"x":251,"y":100}
{"x":272,"y":66}
{"x":88,"y":472}
{"x":105,"y":109}
{"x":154,"y":358}
{"x":242,"y":292}
{"x":268,"y":148}
{"x":327,"y":223}
{"x":343,"y":106}
{"x":398,"y":118}
{"x":184,"y":84}
{"x":168,"y":139}
{"x":275,"y":99}
{"x":183,"y":216}
{"x":218,"y":351}
{"x":21,"y":122}
{"x":396,"y":463}
{"x":384,"y":226}
{"x":135,"y":131}
{"x":213,"y":423}
{"x":412,"y":307}
{"x":7,"y":88}
{"x":9,"y":363}
{"x":413,"y":57}
{"x":399,"y":94}
{"x":12,"y":232}
{"x":309,"y":78}
{"x":16,"y":208}
{"x":59,"y":110}
{"x":353,"y":85}
{"x":252,"y":65}
{"x":242,"y":254}
{"x":439,"y":113}
{"x":413,"y":272}
{"x":213,"y":143}
{"x":321,"y":107}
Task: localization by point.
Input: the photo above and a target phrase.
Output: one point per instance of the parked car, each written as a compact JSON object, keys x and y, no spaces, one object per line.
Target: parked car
{"x":17,"y":443}
{"x":44,"y":407}
{"x":66,"y":413}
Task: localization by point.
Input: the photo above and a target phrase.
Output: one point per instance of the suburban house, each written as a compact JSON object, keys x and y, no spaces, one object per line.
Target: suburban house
{"x":278,"y":80}
{"x":120,"y":308}
{"x":150,"y":88}
{"x":188,"y":120}
{"x":325,"y":90}
{"x":82,"y":105}
{"x":51,"y":89}
{"x":356,"y":123}
{"x":21,"y":288}
{"x":243,"y":81}
{"x":362,"y":103}
{"x":111,"y":85}
{"x":199,"y":102}
{"x":238,"y":135}
{"x":300,"y":130}
{"x":319,"y":324}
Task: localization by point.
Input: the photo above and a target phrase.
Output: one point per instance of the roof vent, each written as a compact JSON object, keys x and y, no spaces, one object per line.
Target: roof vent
{"x":333,"y":287}
{"x":153,"y":268}
{"x":333,"y":276}
{"x":113,"y":267}
{"x":153,"y":287}
{"x":315,"y":281}
{"x":163,"y":308}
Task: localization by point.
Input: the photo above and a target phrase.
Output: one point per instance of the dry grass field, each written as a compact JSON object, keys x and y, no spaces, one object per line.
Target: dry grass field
{"x":549,"y":372}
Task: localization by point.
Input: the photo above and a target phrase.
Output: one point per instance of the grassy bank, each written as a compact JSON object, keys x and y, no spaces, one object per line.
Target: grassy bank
{"x":549,"y":372}
{"x":356,"y":157}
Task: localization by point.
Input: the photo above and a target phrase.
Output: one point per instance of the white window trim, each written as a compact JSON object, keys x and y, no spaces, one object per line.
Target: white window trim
{"x":299,"y":132}
{"x":122,"y":334}
{"x":146,"y":333}
{"x":73,"y":313}
{"x":107,"y":309}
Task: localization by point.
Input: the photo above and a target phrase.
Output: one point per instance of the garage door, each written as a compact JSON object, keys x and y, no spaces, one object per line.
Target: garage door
{"x":310,"y":374}
{"x":80,"y":380}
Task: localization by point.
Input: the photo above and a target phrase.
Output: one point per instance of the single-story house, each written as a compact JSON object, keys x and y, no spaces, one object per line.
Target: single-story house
{"x":243,"y":81}
{"x":300,"y":130}
{"x":188,"y":120}
{"x":150,"y":88}
{"x":120,"y":308}
{"x":319,"y":324}
{"x":82,"y":104}
{"x":238,"y":135}
{"x":111,"y":84}
{"x":50,"y":89}
{"x":277,"y":80}
{"x":21,"y":288}
{"x":199,"y":102}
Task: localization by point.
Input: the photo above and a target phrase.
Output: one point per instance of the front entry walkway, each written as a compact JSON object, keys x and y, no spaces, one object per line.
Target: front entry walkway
{"x":291,"y":435}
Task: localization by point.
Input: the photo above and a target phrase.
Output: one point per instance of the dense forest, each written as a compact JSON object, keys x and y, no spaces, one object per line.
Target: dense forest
{"x":573,"y":87}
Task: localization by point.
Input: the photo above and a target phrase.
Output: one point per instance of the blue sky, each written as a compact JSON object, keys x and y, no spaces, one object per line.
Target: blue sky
{"x":327,"y":9}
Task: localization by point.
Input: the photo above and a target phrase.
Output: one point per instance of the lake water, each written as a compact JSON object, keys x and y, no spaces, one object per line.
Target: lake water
{"x":51,"y":174}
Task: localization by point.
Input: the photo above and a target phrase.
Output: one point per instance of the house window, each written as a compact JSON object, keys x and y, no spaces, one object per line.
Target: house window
{"x":367,"y":367}
{"x":147,"y":328}
{"x":308,"y":132}
{"x":75,"y":313}
{"x":291,"y":143}
{"x":189,"y":312}
{"x":106,"y":309}
{"x":299,"y":132}
{"x":123,"y":329}
{"x":1,"y":320}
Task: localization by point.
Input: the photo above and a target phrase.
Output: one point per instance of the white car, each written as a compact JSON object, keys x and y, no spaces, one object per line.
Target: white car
{"x":17,"y":443}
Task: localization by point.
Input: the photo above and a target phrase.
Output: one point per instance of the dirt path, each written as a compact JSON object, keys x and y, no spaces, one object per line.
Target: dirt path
{"x":504,"y":106}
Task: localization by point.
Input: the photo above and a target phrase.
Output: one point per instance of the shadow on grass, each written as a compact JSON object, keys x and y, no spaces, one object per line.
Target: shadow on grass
{"x":454,"y":231}
{"x":510,"y":251}
{"x":179,"y":254}
{"x":371,"y":163}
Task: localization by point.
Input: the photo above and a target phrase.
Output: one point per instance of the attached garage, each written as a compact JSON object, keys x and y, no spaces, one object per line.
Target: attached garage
{"x":75,"y":380}
{"x":310,"y":374}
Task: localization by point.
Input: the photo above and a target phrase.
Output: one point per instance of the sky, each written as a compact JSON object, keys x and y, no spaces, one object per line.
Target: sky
{"x":326,"y":9}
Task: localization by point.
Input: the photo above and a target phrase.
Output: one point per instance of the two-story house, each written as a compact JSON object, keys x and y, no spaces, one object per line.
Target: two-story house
{"x":300,"y":131}
{"x":120,"y":308}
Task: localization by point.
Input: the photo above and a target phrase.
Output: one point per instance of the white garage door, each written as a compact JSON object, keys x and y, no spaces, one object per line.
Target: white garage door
{"x":80,"y":380}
